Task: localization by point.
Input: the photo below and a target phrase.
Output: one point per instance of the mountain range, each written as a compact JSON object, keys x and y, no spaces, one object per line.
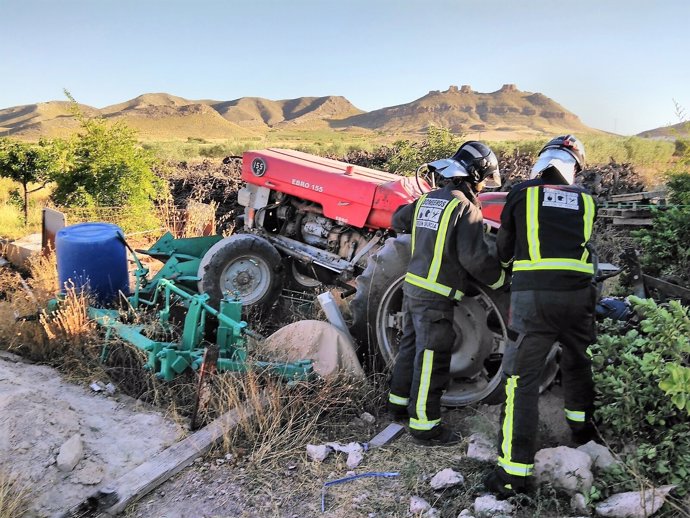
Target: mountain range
{"x":507,"y":113}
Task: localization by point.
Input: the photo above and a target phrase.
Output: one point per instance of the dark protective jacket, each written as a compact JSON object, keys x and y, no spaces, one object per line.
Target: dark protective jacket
{"x":545,"y":229}
{"x":447,"y":243}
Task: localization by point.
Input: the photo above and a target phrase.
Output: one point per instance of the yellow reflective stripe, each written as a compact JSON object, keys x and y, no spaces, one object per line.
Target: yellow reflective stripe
{"x":414,"y":219}
{"x":588,"y":218}
{"x":435,"y":287}
{"x":533,"y":223}
{"x":515,"y":468}
{"x":421,"y":282}
{"x":417,"y":424}
{"x":435,"y":266}
{"x":397,"y":400}
{"x":501,"y":280}
{"x":554,"y":264}
{"x":507,"y":444}
{"x":575,"y":415}
{"x":506,"y":264}
{"x":424,"y":383}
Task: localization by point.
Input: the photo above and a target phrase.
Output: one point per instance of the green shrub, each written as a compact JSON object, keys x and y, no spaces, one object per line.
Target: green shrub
{"x":666,"y":244}
{"x":643,"y":388}
{"x":107,"y":167}
{"x":408,"y":155}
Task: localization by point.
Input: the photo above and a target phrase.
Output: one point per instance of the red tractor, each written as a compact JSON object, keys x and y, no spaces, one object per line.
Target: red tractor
{"x":315,"y":222}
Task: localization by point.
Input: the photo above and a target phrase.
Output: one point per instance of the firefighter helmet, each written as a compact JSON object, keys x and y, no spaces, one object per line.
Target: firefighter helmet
{"x":473,"y":160}
{"x":564,"y":155}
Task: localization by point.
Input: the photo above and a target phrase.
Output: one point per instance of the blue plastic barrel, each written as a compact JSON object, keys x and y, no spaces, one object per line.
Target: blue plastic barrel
{"x":93,"y":255}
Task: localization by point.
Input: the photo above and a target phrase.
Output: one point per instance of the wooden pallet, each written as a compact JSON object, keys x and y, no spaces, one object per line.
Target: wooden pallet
{"x":649,"y":196}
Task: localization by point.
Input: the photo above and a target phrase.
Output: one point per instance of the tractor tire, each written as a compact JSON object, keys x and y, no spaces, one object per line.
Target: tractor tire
{"x":245,"y":264}
{"x":385,"y":268}
{"x":480,"y":325}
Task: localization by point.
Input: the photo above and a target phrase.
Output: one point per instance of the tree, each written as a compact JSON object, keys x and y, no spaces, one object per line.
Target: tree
{"x":107,"y":168}
{"x":26,"y":163}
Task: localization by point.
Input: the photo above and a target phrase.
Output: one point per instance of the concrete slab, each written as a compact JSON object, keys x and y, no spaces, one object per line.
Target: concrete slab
{"x":19,"y":251}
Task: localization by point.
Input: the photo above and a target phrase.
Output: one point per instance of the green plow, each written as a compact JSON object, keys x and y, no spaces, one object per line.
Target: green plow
{"x":175,"y":285}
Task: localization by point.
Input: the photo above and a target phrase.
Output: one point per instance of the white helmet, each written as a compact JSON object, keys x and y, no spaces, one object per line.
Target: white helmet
{"x":563,"y":155}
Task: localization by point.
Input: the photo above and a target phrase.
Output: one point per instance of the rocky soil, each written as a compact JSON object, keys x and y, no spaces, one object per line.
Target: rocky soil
{"x":62,"y":440}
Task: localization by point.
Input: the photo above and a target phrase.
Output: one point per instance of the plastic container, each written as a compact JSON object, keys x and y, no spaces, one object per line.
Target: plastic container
{"x":93,"y":255}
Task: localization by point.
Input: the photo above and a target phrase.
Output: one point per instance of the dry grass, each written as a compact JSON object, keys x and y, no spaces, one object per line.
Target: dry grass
{"x":14,"y":497}
{"x":11,"y":214}
{"x":286,"y":416}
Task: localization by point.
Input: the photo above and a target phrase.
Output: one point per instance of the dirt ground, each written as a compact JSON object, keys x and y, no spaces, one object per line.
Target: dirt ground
{"x":220,"y":486}
{"x":41,"y":411}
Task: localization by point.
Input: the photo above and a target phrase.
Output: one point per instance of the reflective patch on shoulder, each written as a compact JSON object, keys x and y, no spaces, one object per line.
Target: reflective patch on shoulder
{"x":561,"y":199}
{"x":430,"y":213}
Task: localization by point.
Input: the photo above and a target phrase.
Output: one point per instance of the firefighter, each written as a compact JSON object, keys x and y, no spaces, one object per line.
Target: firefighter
{"x":546,"y":225}
{"x":447,"y":246}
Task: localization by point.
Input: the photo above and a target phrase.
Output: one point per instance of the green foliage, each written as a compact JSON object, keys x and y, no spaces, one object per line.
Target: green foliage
{"x":666,"y":244}
{"x":439,"y":143}
{"x":26,"y":163}
{"x":509,"y":147}
{"x":105,"y":166}
{"x":678,"y":184}
{"x":643,"y":389}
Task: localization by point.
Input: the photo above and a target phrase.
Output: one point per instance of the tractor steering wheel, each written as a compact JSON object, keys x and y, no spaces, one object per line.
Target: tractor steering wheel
{"x":424,"y":173}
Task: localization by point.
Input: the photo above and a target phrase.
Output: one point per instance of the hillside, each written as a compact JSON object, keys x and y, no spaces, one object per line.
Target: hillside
{"x":505,"y":114}
{"x":680,"y":130}
{"x":463,"y":110}
{"x":255,"y":112}
{"x":32,"y":121}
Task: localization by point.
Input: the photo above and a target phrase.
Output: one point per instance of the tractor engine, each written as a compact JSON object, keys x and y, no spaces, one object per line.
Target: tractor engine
{"x":305,"y":222}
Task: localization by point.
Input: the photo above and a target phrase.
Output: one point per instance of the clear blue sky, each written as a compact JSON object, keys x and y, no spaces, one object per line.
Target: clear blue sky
{"x":616,"y":64}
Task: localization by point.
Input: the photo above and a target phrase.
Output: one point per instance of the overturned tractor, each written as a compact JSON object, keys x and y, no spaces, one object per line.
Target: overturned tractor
{"x":312,"y":222}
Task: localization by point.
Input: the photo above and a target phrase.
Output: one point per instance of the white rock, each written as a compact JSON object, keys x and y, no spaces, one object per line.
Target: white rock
{"x":634,"y":504}
{"x":318,"y":452}
{"x":446,"y":478}
{"x":432,"y":513}
{"x":97,"y":386}
{"x":465,"y":513}
{"x":354,"y":459}
{"x":418,"y":505}
{"x":601,"y":456}
{"x":564,"y":468}
{"x":488,"y":505}
{"x":70,"y":453}
{"x":110,"y":389}
{"x":367,"y":418}
{"x":346,"y":448}
{"x":481,"y":448}
{"x":578,"y":504}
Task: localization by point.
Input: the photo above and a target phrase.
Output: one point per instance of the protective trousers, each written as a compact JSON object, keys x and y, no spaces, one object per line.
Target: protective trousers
{"x":421,"y":369}
{"x":538,"y":318}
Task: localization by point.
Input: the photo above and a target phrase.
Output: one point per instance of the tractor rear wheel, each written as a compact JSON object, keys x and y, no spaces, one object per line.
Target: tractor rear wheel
{"x":480,"y":325}
{"x":245,"y":264}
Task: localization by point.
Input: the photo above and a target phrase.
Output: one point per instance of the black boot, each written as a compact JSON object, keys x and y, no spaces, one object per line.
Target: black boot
{"x":397,"y":413}
{"x":495,"y":484}
{"x":439,"y":436}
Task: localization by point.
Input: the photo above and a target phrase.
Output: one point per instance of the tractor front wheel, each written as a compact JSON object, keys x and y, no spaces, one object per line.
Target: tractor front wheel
{"x":242,"y":264}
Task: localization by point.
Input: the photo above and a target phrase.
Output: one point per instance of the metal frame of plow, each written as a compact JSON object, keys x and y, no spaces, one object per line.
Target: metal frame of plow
{"x":168,"y":359}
